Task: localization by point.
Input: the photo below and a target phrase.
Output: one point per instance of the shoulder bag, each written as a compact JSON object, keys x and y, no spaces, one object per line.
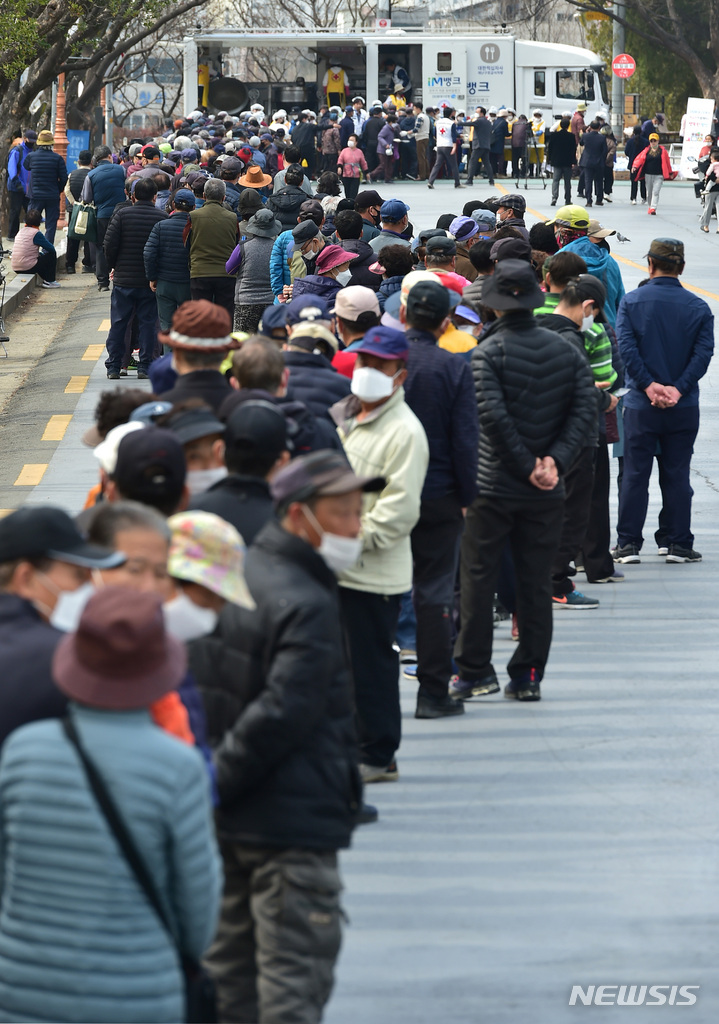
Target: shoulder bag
{"x":199,"y":990}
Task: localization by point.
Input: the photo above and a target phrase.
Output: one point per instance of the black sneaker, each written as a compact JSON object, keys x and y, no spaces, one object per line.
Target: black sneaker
{"x":628,"y":553}
{"x":87,"y":270}
{"x":463,"y":689}
{"x":522,"y":689}
{"x":103,"y":287}
{"x":69,"y":268}
{"x":141,"y":375}
{"x":438,"y":707}
{"x":678,"y":554}
{"x":113,"y":375}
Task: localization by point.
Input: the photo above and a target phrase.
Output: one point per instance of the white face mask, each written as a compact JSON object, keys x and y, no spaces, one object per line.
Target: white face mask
{"x":370,"y":385}
{"x":187,"y":620}
{"x":351,"y":143}
{"x":201,"y":480}
{"x":339,"y":553}
{"x":69,"y":608}
{"x":587,"y":322}
{"x":343,"y":277}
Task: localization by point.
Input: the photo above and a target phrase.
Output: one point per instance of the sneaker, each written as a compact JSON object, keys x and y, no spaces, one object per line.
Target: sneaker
{"x":132,"y":364}
{"x":406,"y":655}
{"x":652,"y":212}
{"x":379,"y":773}
{"x":69,"y":268}
{"x":113,"y":375}
{"x":616,"y":577}
{"x":430,"y":186}
{"x":103,"y":287}
{"x":142,"y":375}
{"x":607,"y":199}
{"x":51,"y":284}
{"x":410,"y":671}
{"x":601,"y":204}
{"x":438,"y":707}
{"x":588,"y":205}
{"x":627,"y":554}
{"x":553,"y":202}
{"x":123,"y":372}
{"x":522,"y":689}
{"x":366,"y":815}
{"x":459,"y":186}
{"x":633,"y":202}
{"x":679,"y":554}
{"x":463,"y":689}
{"x":662,"y":552}
{"x":469,"y":182}
{"x":88,"y":270}
{"x":575,"y":600}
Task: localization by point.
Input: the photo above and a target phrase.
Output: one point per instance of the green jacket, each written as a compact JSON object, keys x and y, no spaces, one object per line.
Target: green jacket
{"x":390,"y":443}
{"x":597,"y":345}
{"x":212,"y":238}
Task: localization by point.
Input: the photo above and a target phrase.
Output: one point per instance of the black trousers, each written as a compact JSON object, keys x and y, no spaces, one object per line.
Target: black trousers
{"x":533,"y":527}
{"x":578,"y":486}
{"x":220,"y":290}
{"x":73,"y":251}
{"x":598,"y":562}
{"x":594,"y":177}
{"x":445,"y":158}
{"x":562,"y":174}
{"x":480,"y":156}
{"x":351,"y":187}
{"x":371,"y":623}
{"x":435,"y":551}
{"x":18,"y":201}
{"x":101,"y":270}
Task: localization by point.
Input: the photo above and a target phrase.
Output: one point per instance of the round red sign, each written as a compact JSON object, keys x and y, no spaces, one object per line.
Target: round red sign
{"x":624,"y":65}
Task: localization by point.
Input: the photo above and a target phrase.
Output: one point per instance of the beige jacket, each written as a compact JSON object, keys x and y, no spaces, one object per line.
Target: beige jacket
{"x":390,"y":443}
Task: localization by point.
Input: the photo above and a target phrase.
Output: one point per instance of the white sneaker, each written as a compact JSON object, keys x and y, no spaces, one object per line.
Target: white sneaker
{"x":51,"y":284}
{"x":633,"y":202}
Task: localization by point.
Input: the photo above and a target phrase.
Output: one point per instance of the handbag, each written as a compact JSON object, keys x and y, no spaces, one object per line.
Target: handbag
{"x":83,"y":222}
{"x":200,"y":997}
{"x":389,"y":150}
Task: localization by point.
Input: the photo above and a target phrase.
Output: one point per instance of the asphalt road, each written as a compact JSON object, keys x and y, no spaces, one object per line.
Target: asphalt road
{"x":525,"y":849}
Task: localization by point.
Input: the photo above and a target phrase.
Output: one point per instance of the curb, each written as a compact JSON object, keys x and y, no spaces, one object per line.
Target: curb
{"x":23,"y":285}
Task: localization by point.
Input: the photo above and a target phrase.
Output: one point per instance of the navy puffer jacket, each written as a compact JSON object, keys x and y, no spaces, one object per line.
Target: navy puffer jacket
{"x":166,"y":257}
{"x":48,"y":173}
{"x":316,"y":284}
{"x":125,"y":240}
{"x":314,"y":381}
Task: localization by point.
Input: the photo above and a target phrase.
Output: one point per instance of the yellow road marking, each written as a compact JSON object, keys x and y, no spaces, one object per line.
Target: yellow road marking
{"x":31,"y":474}
{"x":622,"y":259}
{"x":93,"y":353}
{"x":5,"y":512}
{"x":76,"y":386}
{"x":105,"y":325}
{"x":56,"y":427}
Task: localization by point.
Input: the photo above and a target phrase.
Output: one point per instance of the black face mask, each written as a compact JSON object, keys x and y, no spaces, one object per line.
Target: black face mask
{"x":375,"y":218}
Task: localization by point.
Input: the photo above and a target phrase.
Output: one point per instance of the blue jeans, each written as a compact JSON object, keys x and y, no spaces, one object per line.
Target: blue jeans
{"x":675,"y":430}
{"x":52,"y":213}
{"x":124,"y":304}
{"x":406,"y":634}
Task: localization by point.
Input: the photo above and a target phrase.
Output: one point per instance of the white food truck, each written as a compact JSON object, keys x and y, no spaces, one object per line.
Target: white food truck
{"x":460,"y":70}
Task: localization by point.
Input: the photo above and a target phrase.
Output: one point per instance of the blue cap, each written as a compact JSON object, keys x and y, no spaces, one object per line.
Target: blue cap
{"x":393,"y":210}
{"x":146,"y":413}
{"x":485,"y":218}
{"x":306,"y":307}
{"x":185,"y":195}
{"x":468,"y":314}
{"x":273,"y":318}
{"x":385,"y":343}
{"x":463,"y":228}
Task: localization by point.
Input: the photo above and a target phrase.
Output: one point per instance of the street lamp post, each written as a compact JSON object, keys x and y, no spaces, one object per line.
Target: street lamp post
{"x":618,"y":44}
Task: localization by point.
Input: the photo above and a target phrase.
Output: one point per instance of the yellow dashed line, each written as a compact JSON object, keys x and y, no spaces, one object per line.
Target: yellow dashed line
{"x":76,"y":385}
{"x":56,"y":427}
{"x":93,"y":353}
{"x":5,"y":512}
{"x":105,"y":325}
{"x":622,"y":259}
{"x":31,"y":474}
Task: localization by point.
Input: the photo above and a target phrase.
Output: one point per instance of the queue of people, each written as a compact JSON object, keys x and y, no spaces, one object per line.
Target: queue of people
{"x":365,"y":445}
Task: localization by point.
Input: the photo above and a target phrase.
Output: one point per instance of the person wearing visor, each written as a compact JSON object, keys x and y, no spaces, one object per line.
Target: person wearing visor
{"x":45,"y":571}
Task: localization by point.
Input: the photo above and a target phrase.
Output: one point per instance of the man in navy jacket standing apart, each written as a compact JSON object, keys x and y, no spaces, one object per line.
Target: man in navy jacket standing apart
{"x":666,"y":340}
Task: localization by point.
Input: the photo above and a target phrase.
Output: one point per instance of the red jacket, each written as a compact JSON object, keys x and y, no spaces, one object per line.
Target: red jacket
{"x":667,"y":172}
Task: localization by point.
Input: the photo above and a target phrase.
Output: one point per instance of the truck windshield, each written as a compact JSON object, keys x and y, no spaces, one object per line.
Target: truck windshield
{"x":575,"y":85}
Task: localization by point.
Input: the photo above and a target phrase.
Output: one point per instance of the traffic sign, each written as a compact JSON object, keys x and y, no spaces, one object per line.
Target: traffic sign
{"x":624,"y":65}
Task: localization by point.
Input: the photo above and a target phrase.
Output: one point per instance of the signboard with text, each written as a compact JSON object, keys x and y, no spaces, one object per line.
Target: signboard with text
{"x":76,"y":142}
{"x":696,"y":123}
{"x":624,"y":65}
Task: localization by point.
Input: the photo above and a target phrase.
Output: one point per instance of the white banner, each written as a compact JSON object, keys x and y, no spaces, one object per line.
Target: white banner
{"x":697,"y":122}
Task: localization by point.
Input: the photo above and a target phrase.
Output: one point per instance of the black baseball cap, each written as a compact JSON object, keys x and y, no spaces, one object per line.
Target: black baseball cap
{"x":150,"y":466}
{"x":274,"y":318}
{"x":511,"y":249}
{"x":259,"y":426}
{"x":192,"y":424}
{"x":441,"y":245}
{"x":319,"y":474}
{"x":590,"y":287}
{"x":368,"y":198}
{"x":47,"y":532}
{"x":513,"y":285}
{"x":427,"y":301}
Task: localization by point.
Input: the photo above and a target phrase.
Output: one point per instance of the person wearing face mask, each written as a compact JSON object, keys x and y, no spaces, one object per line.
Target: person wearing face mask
{"x":350,"y":162}
{"x":586,"y":508}
{"x":590,"y":242}
{"x":285,"y":749}
{"x":256,"y":448}
{"x":201,"y":434}
{"x":200,"y":340}
{"x":45,"y":570}
{"x":380,"y":434}
{"x":332,"y":272}
{"x":308,"y":242}
{"x":368,"y":205}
